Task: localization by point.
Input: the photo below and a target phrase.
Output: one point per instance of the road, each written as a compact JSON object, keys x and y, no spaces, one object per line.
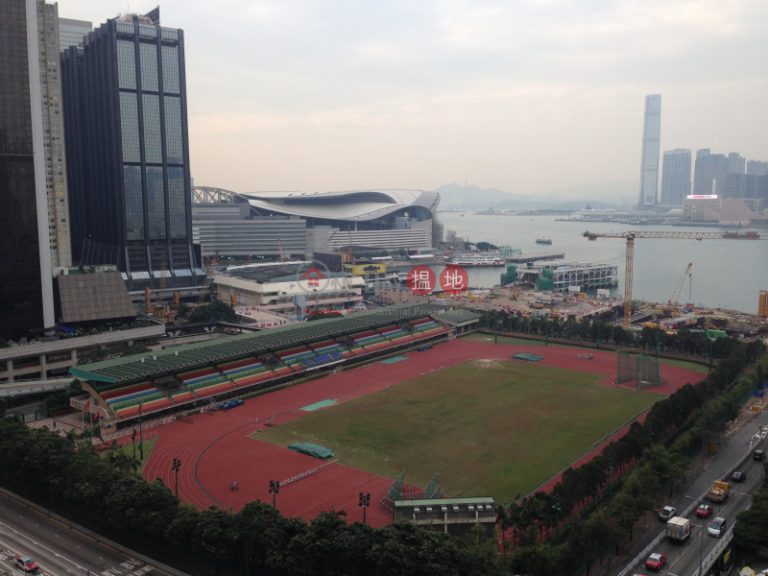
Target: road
{"x":59,"y":549}
{"x":685,"y":558}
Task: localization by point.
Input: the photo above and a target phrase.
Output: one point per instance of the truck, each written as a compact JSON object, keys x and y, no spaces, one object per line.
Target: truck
{"x":678,"y":529}
{"x":719,"y":491}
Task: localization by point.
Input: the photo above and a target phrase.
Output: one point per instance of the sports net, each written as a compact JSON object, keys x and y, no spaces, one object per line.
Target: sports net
{"x":432,"y":490}
{"x":626,"y":367}
{"x":648,"y":373}
{"x":638,"y":369}
{"x":396,"y":490}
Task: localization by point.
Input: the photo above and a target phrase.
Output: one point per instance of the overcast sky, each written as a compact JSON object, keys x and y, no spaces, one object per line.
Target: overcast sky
{"x":524,"y":96}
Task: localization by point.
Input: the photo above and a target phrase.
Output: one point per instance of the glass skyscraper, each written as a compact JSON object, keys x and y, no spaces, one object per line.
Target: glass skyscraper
{"x":26,"y":284}
{"x":676,"y":177}
{"x":649,"y":167}
{"x":126,"y":116}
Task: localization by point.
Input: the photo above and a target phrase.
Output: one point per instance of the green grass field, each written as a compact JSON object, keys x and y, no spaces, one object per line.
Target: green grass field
{"x":489,"y":338}
{"x":493,"y":428}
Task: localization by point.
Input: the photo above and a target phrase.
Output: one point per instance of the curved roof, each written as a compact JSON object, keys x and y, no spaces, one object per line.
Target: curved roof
{"x":355,"y":205}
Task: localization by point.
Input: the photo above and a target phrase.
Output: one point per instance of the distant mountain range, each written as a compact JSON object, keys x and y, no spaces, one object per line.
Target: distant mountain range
{"x":470,"y":197}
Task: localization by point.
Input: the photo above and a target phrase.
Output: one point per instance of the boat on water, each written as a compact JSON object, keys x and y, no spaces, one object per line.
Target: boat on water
{"x":476,"y":259}
{"x":547,"y":241}
{"x":749,"y":235}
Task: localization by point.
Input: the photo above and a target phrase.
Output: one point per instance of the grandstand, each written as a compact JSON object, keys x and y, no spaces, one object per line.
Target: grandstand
{"x":134,"y":386}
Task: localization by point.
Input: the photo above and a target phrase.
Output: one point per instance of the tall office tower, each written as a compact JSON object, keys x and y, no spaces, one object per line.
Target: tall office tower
{"x":53,"y":131}
{"x":26,"y":284}
{"x":757,"y":167}
{"x":676,"y":177}
{"x":736,"y":163}
{"x":710,"y":173}
{"x":72,"y":32}
{"x":126,"y":115}
{"x":649,"y":168}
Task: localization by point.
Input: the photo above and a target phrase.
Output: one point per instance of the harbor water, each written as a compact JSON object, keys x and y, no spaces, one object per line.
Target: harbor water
{"x":725,"y":273}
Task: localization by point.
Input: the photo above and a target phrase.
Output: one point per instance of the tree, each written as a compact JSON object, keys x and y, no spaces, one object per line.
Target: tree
{"x":216,"y":311}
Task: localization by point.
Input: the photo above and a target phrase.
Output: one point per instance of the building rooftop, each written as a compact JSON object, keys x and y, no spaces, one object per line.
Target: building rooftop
{"x":279,"y":272}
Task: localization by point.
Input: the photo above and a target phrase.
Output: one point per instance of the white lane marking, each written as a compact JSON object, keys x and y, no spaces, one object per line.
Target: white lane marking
{"x":43,"y":547}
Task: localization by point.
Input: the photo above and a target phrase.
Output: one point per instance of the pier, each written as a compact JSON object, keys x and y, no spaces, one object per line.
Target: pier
{"x":534,"y":256}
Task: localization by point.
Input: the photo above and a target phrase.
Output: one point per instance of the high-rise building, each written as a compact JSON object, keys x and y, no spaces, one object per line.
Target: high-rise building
{"x":126,"y":115}
{"x":736,"y":163}
{"x":676,"y":177}
{"x":710,"y":173}
{"x":649,"y":167}
{"x":53,"y":134}
{"x":72,"y":32}
{"x":26,"y":283}
{"x":757,"y":167}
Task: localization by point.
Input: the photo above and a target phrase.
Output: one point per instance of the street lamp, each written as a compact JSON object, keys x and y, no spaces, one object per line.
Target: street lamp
{"x":141,"y":434}
{"x":274,"y":488}
{"x":175,"y":467}
{"x":557,"y":508}
{"x":364,"y":501}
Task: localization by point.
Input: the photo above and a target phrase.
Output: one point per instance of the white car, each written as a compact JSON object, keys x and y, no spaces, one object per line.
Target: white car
{"x":717,"y":527}
{"x":666,"y":513}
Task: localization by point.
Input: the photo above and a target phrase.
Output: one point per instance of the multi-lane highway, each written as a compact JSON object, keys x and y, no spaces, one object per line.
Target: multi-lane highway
{"x":58,"y":549}
{"x":687,"y":558}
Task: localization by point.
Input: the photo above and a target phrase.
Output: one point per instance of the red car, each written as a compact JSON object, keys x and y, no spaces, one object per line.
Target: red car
{"x":656,"y":561}
{"x":704,"y":511}
{"x":25,"y":564}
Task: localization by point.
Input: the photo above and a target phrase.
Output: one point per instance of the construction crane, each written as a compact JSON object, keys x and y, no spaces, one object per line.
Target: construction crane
{"x":676,"y":294}
{"x":632,"y":235}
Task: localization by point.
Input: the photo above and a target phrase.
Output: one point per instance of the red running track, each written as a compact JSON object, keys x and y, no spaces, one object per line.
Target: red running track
{"x":215,"y":448}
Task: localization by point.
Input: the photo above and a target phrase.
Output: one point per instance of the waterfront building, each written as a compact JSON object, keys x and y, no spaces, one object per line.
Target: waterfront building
{"x":130,"y":187}
{"x":676,"y":177}
{"x":757,"y":167}
{"x":710,"y":173}
{"x":736,"y":163}
{"x":562,"y":276}
{"x":649,"y":166}
{"x":391,"y":219}
{"x":228,"y":229}
{"x":26,"y":280}
{"x":394,"y":220}
{"x":753,"y":188}
{"x":290,"y":288}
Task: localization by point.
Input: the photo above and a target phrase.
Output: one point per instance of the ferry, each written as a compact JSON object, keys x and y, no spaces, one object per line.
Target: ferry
{"x":547,"y":241}
{"x":750,"y":235}
{"x":476,"y":259}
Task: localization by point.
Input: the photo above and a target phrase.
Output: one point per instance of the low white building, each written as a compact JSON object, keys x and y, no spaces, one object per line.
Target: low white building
{"x":290,"y":288}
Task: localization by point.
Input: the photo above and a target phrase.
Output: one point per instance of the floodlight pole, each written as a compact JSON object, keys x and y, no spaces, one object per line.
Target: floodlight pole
{"x":364,"y":500}
{"x":274,"y":488}
{"x":175,"y":467}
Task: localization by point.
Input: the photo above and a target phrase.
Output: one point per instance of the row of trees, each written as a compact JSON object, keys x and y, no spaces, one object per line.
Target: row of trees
{"x":602,"y":507}
{"x":104,"y":493}
{"x":599,"y":331}
{"x":751,"y":528}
